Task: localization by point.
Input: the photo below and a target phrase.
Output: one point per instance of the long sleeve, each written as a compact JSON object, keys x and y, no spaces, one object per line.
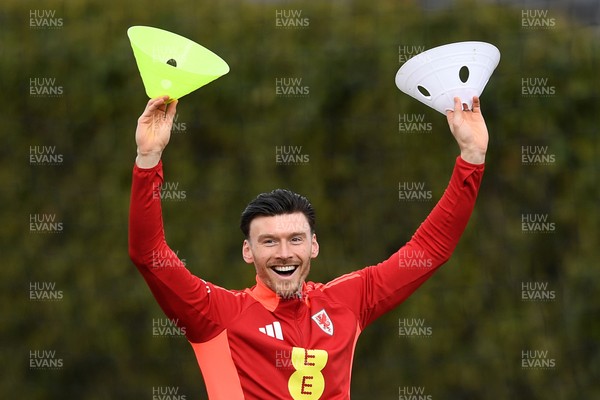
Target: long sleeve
{"x":187,"y":300}
{"x":378,"y":289}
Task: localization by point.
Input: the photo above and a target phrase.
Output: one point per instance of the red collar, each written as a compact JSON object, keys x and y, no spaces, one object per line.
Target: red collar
{"x":268,"y":298}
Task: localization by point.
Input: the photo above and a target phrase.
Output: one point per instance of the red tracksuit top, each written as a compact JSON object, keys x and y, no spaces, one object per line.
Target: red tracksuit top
{"x":251,"y":344}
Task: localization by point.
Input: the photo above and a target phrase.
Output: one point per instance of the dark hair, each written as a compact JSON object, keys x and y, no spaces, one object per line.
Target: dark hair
{"x":277,"y":202}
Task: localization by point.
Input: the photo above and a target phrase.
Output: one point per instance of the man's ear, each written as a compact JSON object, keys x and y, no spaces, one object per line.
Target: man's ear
{"x":247,"y":252}
{"x":314,"y":251}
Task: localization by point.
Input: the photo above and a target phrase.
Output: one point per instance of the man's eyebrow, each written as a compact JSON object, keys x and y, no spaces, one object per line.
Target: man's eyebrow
{"x":303,"y":234}
{"x":273,"y":236}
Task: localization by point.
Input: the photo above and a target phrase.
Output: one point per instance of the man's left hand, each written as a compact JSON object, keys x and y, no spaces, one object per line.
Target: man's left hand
{"x":469,"y":130}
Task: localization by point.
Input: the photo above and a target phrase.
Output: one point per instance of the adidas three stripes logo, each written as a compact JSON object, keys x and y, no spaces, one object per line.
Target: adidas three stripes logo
{"x":273,"y":330}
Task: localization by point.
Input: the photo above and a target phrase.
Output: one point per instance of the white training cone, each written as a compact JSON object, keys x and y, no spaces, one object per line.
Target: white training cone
{"x":436,"y":76}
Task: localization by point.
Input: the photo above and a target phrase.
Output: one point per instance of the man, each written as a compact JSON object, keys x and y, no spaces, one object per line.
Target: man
{"x":288,"y":338}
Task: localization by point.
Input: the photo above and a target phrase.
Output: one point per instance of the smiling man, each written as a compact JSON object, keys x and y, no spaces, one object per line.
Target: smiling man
{"x":280,"y":240}
{"x":287,"y":337}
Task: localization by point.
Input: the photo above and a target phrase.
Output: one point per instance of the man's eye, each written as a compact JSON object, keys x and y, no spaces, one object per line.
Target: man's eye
{"x":297,"y":239}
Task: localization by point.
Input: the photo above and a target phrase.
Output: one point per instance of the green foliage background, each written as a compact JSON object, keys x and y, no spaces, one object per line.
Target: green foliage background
{"x":348,"y":125}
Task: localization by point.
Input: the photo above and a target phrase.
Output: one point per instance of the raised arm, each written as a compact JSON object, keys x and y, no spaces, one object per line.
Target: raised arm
{"x":380,"y":288}
{"x":146,"y":235}
{"x":437,"y":237}
{"x":186,"y":299}
{"x":440,"y":232}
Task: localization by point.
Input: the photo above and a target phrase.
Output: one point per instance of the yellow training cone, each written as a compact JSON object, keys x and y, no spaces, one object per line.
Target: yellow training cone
{"x":171,"y":64}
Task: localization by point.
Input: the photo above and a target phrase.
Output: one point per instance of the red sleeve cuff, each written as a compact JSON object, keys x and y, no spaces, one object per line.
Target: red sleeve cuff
{"x":157,"y":167}
{"x":460,"y":160}
{"x":148,"y":172}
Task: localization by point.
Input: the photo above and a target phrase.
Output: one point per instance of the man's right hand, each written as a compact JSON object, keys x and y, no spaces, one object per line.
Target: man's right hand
{"x":154,"y":131}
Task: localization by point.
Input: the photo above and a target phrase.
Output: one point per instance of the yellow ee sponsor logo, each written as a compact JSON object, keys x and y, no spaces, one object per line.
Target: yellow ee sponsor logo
{"x":307,"y":382}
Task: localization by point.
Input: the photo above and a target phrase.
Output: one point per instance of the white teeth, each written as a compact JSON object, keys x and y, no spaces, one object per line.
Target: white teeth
{"x":284,"y":268}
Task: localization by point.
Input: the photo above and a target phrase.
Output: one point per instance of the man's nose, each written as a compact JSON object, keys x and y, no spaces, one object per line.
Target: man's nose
{"x":284,"y":250}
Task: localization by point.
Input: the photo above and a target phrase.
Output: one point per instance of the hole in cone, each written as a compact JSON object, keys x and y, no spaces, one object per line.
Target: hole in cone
{"x":463,"y":74}
{"x":424,"y":91}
